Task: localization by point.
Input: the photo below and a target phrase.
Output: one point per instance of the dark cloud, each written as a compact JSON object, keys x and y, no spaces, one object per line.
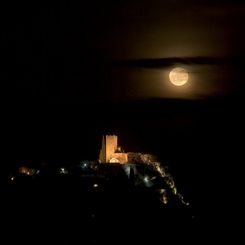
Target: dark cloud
{"x":173,"y":61}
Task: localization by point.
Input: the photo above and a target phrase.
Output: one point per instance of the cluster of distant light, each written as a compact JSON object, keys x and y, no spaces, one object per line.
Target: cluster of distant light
{"x":140,"y":178}
{"x":169,"y":181}
{"x":61,"y":171}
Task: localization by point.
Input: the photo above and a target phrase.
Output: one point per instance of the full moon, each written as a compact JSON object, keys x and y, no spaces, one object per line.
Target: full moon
{"x":178,"y":76}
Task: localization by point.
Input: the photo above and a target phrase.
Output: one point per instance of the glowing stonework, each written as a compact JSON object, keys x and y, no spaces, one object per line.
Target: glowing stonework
{"x":111,"y":152}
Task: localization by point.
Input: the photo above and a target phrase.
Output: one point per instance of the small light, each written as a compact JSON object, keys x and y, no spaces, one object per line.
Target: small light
{"x":12,"y":178}
{"x":147,"y":181}
{"x":165,"y":200}
{"x":95,"y":185}
{"x":63,"y":171}
{"x":84,"y":165}
{"x":162,"y":191}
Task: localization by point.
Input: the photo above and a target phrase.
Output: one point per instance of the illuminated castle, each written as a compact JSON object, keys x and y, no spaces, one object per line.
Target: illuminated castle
{"x":110,"y":151}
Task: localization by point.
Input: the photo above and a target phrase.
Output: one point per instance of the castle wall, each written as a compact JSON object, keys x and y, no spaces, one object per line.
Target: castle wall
{"x":122,"y":157}
{"x":111,"y":146}
{"x":108,"y":150}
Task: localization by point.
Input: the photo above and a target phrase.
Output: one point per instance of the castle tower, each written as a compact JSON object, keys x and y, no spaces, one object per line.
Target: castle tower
{"x":109,"y":151}
{"x":111,"y":146}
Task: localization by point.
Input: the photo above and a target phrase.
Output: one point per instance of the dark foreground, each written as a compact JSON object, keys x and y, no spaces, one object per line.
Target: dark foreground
{"x":91,"y":210}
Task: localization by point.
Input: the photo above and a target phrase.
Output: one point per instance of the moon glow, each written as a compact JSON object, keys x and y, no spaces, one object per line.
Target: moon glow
{"x":178,"y":76}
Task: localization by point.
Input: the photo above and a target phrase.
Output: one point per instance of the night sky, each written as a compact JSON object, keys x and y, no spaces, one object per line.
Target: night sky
{"x":73,"y":71}
{"x":65,"y":53}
